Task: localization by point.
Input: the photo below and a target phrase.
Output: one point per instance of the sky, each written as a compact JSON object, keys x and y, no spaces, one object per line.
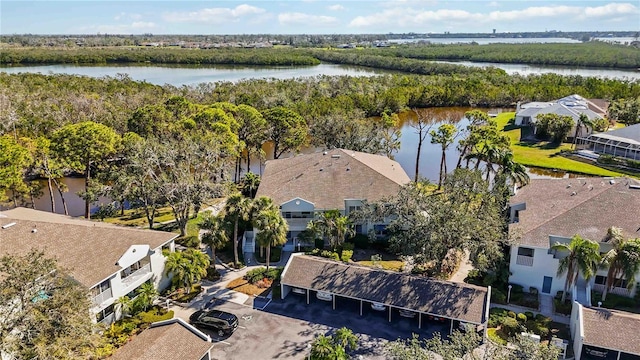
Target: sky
{"x":314,"y":16}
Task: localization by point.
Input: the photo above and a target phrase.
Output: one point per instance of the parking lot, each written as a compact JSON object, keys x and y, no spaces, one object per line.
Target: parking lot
{"x":285,"y":329}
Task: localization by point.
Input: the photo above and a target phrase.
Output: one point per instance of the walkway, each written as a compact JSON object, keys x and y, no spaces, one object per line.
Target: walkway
{"x":546,"y":309}
{"x":463,"y":269}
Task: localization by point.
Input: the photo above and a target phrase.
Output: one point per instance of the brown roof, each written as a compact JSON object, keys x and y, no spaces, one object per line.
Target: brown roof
{"x":327,"y":180}
{"x":88,"y":249}
{"x":599,"y":106}
{"x":584,"y":206}
{"x":611,"y":329}
{"x":442,"y":298}
{"x":167,"y":340}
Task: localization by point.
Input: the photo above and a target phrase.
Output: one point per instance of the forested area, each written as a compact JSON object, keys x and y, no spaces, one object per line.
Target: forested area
{"x":407,"y":58}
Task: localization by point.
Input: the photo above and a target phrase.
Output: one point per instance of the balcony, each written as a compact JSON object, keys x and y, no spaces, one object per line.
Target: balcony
{"x":137,"y":277}
{"x":298,"y":223}
{"x":524,"y":260}
{"x":615,"y":290}
{"x":103,"y":297}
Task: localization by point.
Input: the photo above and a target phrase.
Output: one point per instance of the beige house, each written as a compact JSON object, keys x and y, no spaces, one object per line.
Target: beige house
{"x":336,"y":179}
{"x":167,"y":340}
{"x":110,"y":260}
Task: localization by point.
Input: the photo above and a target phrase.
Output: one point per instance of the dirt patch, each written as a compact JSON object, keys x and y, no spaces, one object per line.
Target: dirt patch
{"x":261,"y":288}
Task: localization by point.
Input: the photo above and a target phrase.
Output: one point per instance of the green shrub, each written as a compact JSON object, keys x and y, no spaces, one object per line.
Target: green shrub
{"x":318,"y":243}
{"x":533,"y":290}
{"x":562,"y":308}
{"x":492,"y":334}
{"x":255,"y":275}
{"x":522,"y":318}
{"x":189,"y":241}
{"x":154,"y":315}
{"x":212,"y":274}
{"x":360,"y":241}
{"x":529,"y":315}
{"x":330,"y":255}
{"x":474,"y":277}
{"x":346,"y":255}
{"x":498,"y":296}
{"x":606,"y":159}
{"x":633,"y":164}
{"x":511,"y":314}
{"x":510,"y":326}
{"x":348,"y":246}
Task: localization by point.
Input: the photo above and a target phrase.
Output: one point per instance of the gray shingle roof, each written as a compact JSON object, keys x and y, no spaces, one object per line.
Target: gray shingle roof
{"x":168,"y":340}
{"x":628,"y":132}
{"x":327,"y":180}
{"x":584,"y":206}
{"x":447,"y":299}
{"x":88,"y":249}
{"x":611,"y":329}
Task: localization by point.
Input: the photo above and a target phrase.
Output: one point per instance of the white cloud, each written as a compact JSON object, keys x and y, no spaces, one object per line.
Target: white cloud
{"x":336,"y":7}
{"x":214,"y":15}
{"x":124,"y":16}
{"x":296,"y":18}
{"x":403,"y":17}
{"x":493,"y":4}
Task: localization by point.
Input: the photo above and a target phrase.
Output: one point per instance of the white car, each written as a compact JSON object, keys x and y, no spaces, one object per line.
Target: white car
{"x":407,"y":313}
{"x":299,"y":291}
{"x":324,"y":296}
{"x":378,"y":306}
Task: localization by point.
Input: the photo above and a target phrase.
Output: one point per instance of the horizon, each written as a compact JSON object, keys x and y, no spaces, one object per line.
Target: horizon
{"x":311,"y":17}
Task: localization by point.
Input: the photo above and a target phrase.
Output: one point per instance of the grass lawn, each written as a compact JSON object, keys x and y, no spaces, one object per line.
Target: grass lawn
{"x":242,"y":285}
{"x":137,"y":218}
{"x":393,"y":265}
{"x":543,"y":154}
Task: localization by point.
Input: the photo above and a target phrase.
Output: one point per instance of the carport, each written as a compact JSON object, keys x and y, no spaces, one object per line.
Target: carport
{"x":606,"y":334}
{"x":397,"y":291}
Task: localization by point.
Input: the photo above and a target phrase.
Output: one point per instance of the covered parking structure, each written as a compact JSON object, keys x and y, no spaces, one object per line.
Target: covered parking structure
{"x":424,"y":296}
{"x":605,"y":334}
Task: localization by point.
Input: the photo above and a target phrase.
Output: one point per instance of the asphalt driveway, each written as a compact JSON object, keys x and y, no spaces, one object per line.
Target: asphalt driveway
{"x":285,"y":329}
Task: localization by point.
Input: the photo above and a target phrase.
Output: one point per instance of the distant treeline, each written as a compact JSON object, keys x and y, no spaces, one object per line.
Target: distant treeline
{"x":406,"y":58}
{"x":590,"y":54}
{"x":119,"y":55}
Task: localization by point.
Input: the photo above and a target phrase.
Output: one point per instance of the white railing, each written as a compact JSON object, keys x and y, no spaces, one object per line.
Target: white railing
{"x":615,"y":290}
{"x":524,"y":260}
{"x":136,"y":275}
{"x":298,"y":223}
{"x":103,"y":297}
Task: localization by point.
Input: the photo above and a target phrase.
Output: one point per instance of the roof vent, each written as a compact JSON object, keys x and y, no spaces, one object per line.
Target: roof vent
{"x":612,"y":181}
{"x":321,"y":169}
{"x":335,"y":156}
{"x":635,"y":187}
{"x":573,"y":193}
{"x":34,"y":230}
{"x":348,"y":169}
{"x":8,"y":225}
{"x":568,"y":186}
{"x":324,"y":153}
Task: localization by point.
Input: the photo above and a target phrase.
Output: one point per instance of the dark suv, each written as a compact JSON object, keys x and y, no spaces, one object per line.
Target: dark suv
{"x":223,"y":323}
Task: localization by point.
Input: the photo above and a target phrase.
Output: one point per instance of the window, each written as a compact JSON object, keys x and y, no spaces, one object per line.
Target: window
{"x":522,"y":251}
{"x":100,"y":288}
{"x":600,"y":280}
{"x":104,"y":313}
{"x":354,"y":208}
{"x":358,"y":229}
{"x":287,"y":215}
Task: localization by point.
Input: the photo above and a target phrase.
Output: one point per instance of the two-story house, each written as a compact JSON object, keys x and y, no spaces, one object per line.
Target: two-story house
{"x":110,"y":260}
{"x":548,"y":211}
{"x":305,"y":185}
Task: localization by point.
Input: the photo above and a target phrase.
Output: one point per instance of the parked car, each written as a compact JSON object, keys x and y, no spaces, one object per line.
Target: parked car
{"x":595,"y":353}
{"x":299,"y":291}
{"x":407,"y":313}
{"x":378,"y":306}
{"x":324,"y":296}
{"x":436,"y":318}
{"x":223,"y":323}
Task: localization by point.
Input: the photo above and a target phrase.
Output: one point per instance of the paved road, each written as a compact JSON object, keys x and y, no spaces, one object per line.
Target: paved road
{"x":285,"y":330}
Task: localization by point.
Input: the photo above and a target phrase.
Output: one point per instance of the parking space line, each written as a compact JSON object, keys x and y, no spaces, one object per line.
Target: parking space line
{"x":224,"y":342}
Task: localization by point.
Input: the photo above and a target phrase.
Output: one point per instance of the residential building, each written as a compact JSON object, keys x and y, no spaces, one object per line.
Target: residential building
{"x":167,"y":340}
{"x":623,"y":142}
{"x":572,"y":106}
{"x":548,"y":211}
{"x":305,"y":185}
{"x":110,"y":260}
{"x":604,"y":334}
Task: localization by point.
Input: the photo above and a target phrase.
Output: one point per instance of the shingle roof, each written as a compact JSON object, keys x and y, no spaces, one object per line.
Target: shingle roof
{"x":611,"y":329}
{"x":452,"y":300}
{"x":88,"y":249}
{"x":167,"y":340}
{"x":584,"y":206}
{"x":327,"y":179}
{"x":628,"y":132}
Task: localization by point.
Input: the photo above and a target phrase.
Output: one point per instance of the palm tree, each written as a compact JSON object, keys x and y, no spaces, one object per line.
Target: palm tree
{"x":215,"y":235}
{"x":123,"y":305}
{"x":514,"y":171}
{"x":187,"y":268}
{"x":343,"y":229}
{"x":444,"y":136}
{"x":260,"y":204}
{"x":583,"y":120}
{"x":272,"y":230}
{"x":147,"y":294}
{"x":583,"y":257}
{"x":250,"y":183}
{"x":238,"y":208}
{"x":623,"y":261}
